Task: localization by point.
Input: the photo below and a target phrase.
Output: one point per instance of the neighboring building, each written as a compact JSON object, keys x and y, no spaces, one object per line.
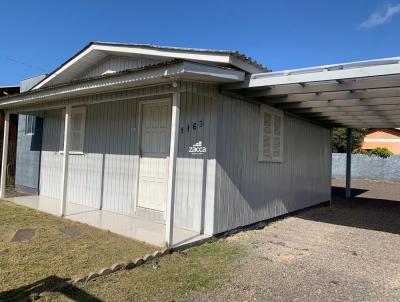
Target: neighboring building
{"x":383,"y":137}
{"x":29,"y":146}
{"x":12,"y":141}
{"x":8,"y":90}
{"x":185,"y":137}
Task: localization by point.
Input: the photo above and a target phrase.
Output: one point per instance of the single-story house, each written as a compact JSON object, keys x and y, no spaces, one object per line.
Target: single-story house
{"x":201,"y":141}
{"x":382,"y":138}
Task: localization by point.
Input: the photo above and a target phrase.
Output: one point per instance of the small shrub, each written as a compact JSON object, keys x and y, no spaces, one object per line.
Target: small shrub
{"x":381,"y":152}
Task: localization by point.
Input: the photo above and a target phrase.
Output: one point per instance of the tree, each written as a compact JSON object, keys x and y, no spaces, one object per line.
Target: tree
{"x":339,"y":139}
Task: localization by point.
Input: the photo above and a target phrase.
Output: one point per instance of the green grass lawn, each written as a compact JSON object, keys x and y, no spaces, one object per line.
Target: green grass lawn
{"x":174,"y":277}
{"x":51,"y":255}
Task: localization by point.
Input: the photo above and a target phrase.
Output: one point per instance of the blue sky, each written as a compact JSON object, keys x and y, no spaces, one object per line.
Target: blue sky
{"x":37,"y":36}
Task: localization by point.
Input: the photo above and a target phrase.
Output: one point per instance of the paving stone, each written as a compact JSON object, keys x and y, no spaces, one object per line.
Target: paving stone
{"x":130,"y":265}
{"x":117,"y":267}
{"x":23,"y":235}
{"x":70,"y":231}
{"x":139,"y":261}
{"x":165,"y":251}
{"x":80,"y":279}
{"x":147,"y":257}
{"x":92,"y":276}
{"x":105,"y":271}
{"x":156,"y":254}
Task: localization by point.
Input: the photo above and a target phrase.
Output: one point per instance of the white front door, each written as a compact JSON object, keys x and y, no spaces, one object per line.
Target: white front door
{"x":154,"y":152}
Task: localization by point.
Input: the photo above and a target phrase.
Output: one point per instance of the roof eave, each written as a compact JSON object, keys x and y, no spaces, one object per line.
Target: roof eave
{"x":126,"y":80}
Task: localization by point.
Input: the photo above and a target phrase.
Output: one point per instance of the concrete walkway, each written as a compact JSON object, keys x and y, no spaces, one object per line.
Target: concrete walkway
{"x":137,"y":228}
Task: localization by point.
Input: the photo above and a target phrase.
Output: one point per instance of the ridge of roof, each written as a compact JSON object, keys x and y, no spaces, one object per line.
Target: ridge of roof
{"x":235,"y":53}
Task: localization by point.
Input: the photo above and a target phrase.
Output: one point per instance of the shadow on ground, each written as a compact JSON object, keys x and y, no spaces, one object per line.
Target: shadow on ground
{"x":362,"y":210}
{"x":33,"y":291}
{"x":341,"y":191}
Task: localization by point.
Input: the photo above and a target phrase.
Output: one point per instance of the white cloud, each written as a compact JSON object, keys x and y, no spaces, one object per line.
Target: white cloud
{"x":378,"y":18}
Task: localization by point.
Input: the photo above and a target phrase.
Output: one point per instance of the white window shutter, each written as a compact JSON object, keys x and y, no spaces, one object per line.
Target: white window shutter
{"x":30,"y":122}
{"x":271,"y":135}
{"x":265,"y":139}
{"x":78,"y":117}
{"x":277,"y":138}
{"x":267,"y":134}
{"x":62,"y":130}
{"x":77,"y":130}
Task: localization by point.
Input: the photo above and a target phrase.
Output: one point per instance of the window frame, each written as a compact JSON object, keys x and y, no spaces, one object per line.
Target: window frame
{"x":274,"y":113}
{"x":74,"y":110}
{"x":30,"y":132}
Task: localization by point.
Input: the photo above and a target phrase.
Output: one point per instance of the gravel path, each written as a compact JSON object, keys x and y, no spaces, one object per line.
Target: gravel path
{"x":349,"y":251}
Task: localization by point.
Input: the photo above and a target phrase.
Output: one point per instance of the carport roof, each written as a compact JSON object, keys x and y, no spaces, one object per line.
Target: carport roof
{"x":363,"y":94}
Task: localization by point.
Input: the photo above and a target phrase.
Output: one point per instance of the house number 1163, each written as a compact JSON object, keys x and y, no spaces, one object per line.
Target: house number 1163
{"x":193,"y":126}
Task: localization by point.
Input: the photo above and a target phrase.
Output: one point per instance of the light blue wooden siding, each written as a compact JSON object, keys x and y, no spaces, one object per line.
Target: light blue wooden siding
{"x":28,"y":156}
{"x":195,"y":174}
{"x":248,"y":191}
{"x":117,"y":63}
{"x":107,"y":171}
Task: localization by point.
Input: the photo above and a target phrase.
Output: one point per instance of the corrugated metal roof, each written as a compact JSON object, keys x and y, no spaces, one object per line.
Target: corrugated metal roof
{"x":182,"y":68}
{"x":109,"y":75}
{"x":235,"y":54}
{"x":330,"y":67}
{"x":212,"y":51}
{"x":363,"y":94}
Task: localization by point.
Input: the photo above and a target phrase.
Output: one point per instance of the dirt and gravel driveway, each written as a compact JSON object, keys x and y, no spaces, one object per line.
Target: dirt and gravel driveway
{"x":349,"y":251}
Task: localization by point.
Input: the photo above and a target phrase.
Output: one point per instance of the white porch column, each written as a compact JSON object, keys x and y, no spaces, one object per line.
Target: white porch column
{"x":64,"y":183}
{"x":173,"y":152}
{"x":4,"y":156}
{"x":348,"y":161}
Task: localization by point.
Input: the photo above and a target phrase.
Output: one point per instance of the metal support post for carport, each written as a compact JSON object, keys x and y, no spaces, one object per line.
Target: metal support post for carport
{"x":64,"y":183}
{"x":348,"y":161}
{"x":173,"y":152}
{"x":3,"y":176}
